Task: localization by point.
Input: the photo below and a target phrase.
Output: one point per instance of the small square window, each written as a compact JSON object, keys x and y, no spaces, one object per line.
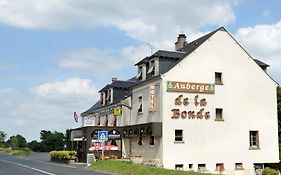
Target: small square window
{"x":239,"y":166}
{"x":219,"y":116}
{"x":219,"y":167}
{"x":254,"y":139}
{"x":218,"y":78}
{"x":201,"y":167}
{"x":178,"y":135}
{"x":179,"y":166}
{"x":140,"y":104}
{"x":190,"y":166}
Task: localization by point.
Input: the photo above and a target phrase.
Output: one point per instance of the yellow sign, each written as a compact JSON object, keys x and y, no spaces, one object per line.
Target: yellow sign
{"x":117,"y":112}
{"x":175,"y":86}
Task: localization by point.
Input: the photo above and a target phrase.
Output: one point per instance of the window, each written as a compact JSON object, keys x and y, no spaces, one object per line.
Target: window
{"x":190,"y":166}
{"x":151,"y":69}
{"x":151,"y":140}
{"x":106,"y":121}
{"x":179,"y":166}
{"x":201,"y":167}
{"x":114,"y":121}
{"x":219,"y":167}
{"x":101,"y":98}
{"x":98,"y":121}
{"x":108,"y":97}
{"x":254,"y":139}
{"x":178,"y":135}
{"x":218,"y":78}
{"x":139,"y":76}
{"x":219,"y":116}
{"x":140,"y":140}
{"x":140,"y":104}
{"x":239,"y":166}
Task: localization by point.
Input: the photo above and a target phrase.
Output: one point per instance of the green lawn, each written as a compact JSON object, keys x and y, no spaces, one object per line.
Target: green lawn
{"x":126,"y":168}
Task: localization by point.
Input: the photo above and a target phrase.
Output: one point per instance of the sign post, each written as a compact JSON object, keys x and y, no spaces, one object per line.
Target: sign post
{"x":102,"y":137}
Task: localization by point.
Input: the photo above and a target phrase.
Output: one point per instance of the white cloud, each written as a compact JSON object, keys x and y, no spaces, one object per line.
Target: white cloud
{"x":143,"y":20}
{"x":265,"y":13}
{"x":263,"y":42}
{"x":20,"y":122}
{"x":72,"y":87}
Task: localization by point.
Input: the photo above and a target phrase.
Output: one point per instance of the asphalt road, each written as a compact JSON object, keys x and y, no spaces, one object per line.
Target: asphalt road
{"x":39,"y":164}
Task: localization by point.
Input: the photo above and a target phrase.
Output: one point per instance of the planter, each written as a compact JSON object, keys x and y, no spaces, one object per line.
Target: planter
{"x":66,"y":161}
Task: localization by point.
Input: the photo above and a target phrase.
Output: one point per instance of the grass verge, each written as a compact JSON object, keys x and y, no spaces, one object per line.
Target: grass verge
{"x":126,"y":168}
{"x":20,"y":152}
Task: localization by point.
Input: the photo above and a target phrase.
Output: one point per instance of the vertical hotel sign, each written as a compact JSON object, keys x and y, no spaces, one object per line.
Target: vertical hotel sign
{"x":152,"y":99}
{"x":176,"y":86}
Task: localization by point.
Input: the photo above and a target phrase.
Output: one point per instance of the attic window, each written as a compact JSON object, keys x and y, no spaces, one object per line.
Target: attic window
{"x":108,"y":97}
{"x":101,"y":98}
{"x":139,"y":76}
{"x":151,"y":70}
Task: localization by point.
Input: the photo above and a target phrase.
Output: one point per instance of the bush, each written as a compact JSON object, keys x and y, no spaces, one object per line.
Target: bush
{"x":66,"y":155}
{"x":270,"y":172}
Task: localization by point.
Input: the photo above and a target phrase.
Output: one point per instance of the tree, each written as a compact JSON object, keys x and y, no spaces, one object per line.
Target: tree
{"x":17,"y":141}
{"x":35,"y":146}
{"x":2,"y":139}
{"x":51,"y":140}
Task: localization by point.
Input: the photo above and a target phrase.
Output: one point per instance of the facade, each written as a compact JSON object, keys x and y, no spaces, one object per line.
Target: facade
{"x":208,"y":106}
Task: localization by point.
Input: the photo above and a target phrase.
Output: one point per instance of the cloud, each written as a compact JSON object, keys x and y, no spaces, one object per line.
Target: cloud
{"x":143,"y":20}
{"x":47,"y":106}
{"x":263,"y":42}
{"x":72,"y":87}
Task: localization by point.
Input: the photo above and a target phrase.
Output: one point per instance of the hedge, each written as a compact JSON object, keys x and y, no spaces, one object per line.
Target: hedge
{"x":270,"y":172}
{"x":67,"y":155}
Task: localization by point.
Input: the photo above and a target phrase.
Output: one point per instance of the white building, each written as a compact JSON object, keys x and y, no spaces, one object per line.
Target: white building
{"x":208,"y":106}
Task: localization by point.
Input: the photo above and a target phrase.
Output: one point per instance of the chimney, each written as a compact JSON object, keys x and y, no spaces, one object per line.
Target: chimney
{"x":181,"y":42}
{"x":114,"y":79}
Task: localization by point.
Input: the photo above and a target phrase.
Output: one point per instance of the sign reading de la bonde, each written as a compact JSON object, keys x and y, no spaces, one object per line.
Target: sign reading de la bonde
{"x":201,"y":113}
{"x":176,"y":86}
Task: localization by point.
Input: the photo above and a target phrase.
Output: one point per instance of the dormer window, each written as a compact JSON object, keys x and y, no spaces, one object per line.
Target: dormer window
{"x":151,"y":69}
{"x":101,"y":99}
{"x":139,"y":76}
{"x":108,"y":97}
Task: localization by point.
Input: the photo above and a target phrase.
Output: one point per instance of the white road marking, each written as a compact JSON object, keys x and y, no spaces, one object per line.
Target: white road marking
{"x":25,"y":166}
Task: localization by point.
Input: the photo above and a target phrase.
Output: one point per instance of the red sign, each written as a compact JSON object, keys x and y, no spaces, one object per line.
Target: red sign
{"x":75,"y":117}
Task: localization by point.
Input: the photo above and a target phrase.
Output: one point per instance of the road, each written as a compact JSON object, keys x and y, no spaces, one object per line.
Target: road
{"x":39,"y":164}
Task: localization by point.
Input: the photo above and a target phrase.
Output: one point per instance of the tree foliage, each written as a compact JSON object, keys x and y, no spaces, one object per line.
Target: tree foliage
{"x":17,"y":141}
{"x":49,"y":141}
{"x":2,"y":139}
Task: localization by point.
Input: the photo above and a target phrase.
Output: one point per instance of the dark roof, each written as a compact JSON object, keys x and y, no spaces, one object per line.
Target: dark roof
{"x":162,"y":54}
{"x":260,"y":63}
{"x":117,"y":97}
{"x":118,"y":84}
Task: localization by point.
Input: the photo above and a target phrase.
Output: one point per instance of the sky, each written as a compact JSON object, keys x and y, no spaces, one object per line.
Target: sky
{"x":56,"y":55}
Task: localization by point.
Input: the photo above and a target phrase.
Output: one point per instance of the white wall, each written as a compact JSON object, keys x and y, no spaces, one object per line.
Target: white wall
{"x":146,"y":116}
{"x":248,"y":99}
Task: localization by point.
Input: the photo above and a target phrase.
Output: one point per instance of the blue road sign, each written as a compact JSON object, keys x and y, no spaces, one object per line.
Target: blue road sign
{"x":102,"y":135}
